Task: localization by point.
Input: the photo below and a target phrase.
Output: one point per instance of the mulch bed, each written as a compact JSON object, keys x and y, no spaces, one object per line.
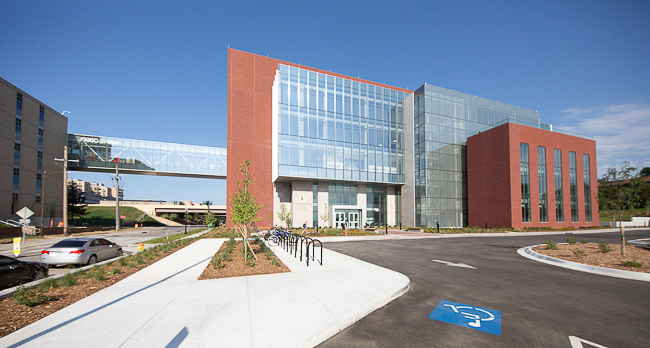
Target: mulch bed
{"x":14,"y":316}
{"x":237,"y":267}
{"x":594,"y":257}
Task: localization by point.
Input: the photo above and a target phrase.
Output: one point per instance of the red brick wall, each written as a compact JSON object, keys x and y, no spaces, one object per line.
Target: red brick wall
{"x":488,"y":179}
{"x":250,"y":82}
{"x":485,"y":154}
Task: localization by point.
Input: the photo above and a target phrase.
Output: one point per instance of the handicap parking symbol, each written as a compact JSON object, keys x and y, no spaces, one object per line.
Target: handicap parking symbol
{"x":477,"y":318}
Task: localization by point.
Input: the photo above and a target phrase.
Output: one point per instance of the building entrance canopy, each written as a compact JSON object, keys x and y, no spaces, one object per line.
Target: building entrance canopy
{"x":104,"y":154}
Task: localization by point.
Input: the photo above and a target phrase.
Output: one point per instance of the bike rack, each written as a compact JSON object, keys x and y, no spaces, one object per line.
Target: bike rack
{"x":289,"y":242}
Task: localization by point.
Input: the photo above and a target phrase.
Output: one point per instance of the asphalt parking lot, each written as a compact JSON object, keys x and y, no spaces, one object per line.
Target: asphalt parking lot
{"x":540,"y":305}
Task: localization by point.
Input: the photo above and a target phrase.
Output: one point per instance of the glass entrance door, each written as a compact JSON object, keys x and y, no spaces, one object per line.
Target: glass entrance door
{"x":339,"y":219}
{"x":354,"y":219}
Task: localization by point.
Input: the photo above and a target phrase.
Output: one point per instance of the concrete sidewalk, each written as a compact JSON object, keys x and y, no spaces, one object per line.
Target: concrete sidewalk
{"x":165,"y":306}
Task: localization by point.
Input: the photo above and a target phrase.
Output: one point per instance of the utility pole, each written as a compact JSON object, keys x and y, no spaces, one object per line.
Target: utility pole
{"x":117,"y":199}
{"x":66,"y":230}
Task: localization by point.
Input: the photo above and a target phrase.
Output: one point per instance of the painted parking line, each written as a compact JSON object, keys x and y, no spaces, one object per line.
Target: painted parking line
{"x":477,"y":318}
{"x":576,"y":342}
{"x":462,"y":265}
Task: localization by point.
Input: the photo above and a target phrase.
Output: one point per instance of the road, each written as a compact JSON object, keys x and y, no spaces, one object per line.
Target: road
{"x":31,"y":250}
{"x":541,"y":305}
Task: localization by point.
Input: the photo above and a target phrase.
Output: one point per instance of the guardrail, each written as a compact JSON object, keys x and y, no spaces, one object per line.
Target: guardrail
{"x":291,"y":241}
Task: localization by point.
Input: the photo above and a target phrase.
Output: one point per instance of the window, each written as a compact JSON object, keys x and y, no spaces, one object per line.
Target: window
{"x":587,"y":179}
{"x":541,"y":172}
{"x":525,"y":183}
{"x":16,"y":179}
{"x":39,"y":162}
{"x":41,"y":117}
{"x":16,"y":154}
{"x":573,"y":188}
{"x":559,"y":209}
{"x":19,"y":104}
{"x":40,"y":139}
{"x":19,"y":124}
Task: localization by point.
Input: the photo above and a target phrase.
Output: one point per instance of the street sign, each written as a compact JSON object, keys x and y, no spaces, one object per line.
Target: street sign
{"x":482,"y":319}
{"x":16,"y":246}
{"x":25,"y":213}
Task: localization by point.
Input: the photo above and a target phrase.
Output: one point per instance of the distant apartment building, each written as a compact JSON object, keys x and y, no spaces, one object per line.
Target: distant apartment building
{"x":32,"y":135}
{"x":95,"y":192}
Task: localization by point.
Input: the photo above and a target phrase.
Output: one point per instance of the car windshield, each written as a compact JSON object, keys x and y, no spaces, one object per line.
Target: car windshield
{"x":69,"y":244}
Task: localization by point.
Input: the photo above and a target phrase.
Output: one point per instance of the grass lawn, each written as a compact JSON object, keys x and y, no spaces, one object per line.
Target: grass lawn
{"x":98,"y":214}
{"x":174,"y":237}
{"x":606,"y":215}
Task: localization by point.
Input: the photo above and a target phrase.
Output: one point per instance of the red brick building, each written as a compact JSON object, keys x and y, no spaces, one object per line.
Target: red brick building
{"x":497,"y":166}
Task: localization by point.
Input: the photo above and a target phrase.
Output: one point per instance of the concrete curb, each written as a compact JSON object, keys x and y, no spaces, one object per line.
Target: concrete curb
{"x":131,"y":249}
{"x":528,"y":253}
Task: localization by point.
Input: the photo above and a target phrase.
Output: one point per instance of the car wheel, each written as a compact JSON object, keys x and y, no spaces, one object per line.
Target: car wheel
{"x":92,"y":260}
{"x":38,"y":275}
{"x":119,"y":253}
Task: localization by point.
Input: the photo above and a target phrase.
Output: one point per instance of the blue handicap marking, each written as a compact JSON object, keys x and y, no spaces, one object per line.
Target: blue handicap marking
{"x":477,"y":318}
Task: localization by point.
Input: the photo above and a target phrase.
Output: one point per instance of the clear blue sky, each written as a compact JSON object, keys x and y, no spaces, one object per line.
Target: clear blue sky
{"x":156,"y":70}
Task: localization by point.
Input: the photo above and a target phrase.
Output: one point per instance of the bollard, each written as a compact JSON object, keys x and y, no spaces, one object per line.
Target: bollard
{"x":437,"y":227}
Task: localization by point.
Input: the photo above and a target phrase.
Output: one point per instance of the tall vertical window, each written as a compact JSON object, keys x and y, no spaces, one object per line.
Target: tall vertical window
{"x":39,"y":161}
{"x":41,"y":117}
{"x":19,"y":126}
{"x":19,"y":104}
{"x":315,"y":207}
{"x":525,"y":184}
{"x":559,"y":207}
{"x":16,"y":180}
{"x":541,"y":175}
{"x":16,"y":154}
{"x":587,"y":178}
{"x":39,"y":181}
{"x":573,"y":188}
{"x":40,"y":139}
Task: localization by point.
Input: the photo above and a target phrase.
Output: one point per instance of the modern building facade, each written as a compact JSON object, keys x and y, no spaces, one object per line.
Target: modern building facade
{"x":95,"y":192}
{"x":336,"y":149}
{"x":31,"y":137}
{"x":520,"y":176}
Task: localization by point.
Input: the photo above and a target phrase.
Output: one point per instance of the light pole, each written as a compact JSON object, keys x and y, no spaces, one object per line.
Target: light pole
{"x":65,"y":187}
{"x":186,"y":220}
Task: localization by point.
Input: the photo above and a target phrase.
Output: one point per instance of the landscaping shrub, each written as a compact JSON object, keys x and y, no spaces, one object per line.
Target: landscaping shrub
{"x":29,"y":297}
{"x":571,"y":240}
{"x":550,"y":245}
{"x":632,"y":263}
{"x":220,"y":260}
{"x":49,"y":283}
{"x":67,"y":280}
{"x":604,"y":247}
{"x":116,"y":271}
{"x":122,"y":261}
{"x":579,"y":253}
{"x":584,"y":241}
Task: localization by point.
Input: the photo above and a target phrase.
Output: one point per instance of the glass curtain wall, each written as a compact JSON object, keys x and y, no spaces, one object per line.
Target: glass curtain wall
{"x":587,"y":179}
{"x":541,"y":177}
{"x":573,"y":188}
{"x":559,"y":206}
{"x":376,"y":205}
{"x":525,"y":184}
{"x":139,"y":155}
{"x":443,"y":119}
{"x":334,"y":128}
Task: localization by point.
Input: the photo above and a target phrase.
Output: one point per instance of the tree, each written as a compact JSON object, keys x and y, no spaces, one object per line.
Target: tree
{"x":170,"y":216}
{"x":243,"y":208}
{"x":626,"y":184}
{"x":76,"y":202}
{"x":284,"y":215}
{"x":326,"y":216}
{"x":209,"y":217}
{"x":645,"y":171}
